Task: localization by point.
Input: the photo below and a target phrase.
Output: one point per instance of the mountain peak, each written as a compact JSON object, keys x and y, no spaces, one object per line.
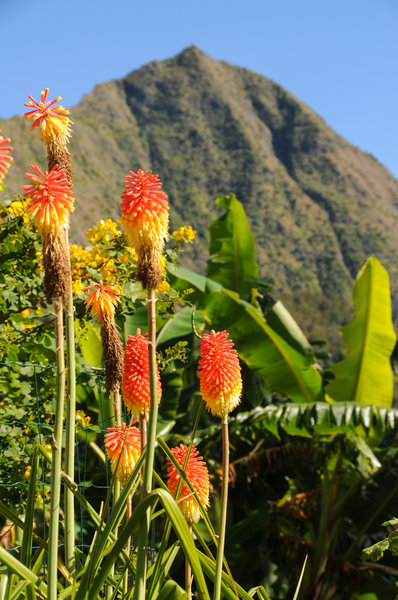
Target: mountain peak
{"x":317,"y":205}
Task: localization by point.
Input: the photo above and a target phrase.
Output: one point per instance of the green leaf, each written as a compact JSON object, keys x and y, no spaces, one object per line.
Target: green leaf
{"x":179,"y":326}
{"x":171,"y":591}
{"x":23,"y":572}
{"x":366,"y":376}
{"x":285,"y":364}
{"x":232,"y":248}
{"x":285,"y":368}
{"x":181,"y":529}
{"x":27,"y":538}
{"x":89,"y":336}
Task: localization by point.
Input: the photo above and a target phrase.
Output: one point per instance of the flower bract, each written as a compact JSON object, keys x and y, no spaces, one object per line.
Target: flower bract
{"x":135,"y":382}
{"x":198,"y":477}
{"x":102,"y":300}
{"x":5,"y":160}
{"x":54,"y":124}
{"x":123,"y":447}
{"x":50,"y":199}
{"x":220,"y":374}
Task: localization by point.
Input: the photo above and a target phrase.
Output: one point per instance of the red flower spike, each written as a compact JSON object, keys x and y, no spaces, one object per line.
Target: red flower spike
{"x":145,"y":211}
{"x":51,"y":200}
{"x":5,"y":160}
{"x":219,"y":373}
{"x":198,"y":476}
{"x":135,"y":382}
{"x":123,"y":447}
{"x":102,"y":301}
{"x":52,"y":120}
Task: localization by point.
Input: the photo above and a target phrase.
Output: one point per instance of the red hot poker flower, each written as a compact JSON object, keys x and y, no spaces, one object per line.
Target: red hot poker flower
{"x":102,"y":300}
{"x":135,"y":382}
{"x":51,"y":200}
{"x":219,"y":372}
{"x":145,"y":216}
{"x":52,"y":120}
{"x":144,"y":210}
{"x":5,"y":160}
{"x":123,"y":447}
{"x":198,"y":476}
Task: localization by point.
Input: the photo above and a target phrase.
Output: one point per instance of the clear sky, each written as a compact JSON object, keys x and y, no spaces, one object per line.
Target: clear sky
{"x":339,"y":56}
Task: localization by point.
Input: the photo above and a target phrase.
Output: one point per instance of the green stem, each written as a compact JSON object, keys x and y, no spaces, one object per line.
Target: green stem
{"x":139,"y":588}
{"x":116,"y":407}
{"x":224,"y":503}
{"x":69,"y":501}
{"x":188,"y":574}
{"x":56,"y":453}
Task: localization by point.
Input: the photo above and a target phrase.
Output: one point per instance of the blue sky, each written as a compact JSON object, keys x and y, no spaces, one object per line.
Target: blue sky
{"x":340,"y":57}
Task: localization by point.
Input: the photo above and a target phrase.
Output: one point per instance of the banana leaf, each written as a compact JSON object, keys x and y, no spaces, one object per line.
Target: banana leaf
{"x":232,"y":249}
{"x":365,"y":376}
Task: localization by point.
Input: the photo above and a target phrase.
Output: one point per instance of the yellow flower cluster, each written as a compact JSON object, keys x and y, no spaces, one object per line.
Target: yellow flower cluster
{"x":184,"y":233}
{"x":96,"y":258}
{"x":103,"y":231}
{"x":18,"y":208}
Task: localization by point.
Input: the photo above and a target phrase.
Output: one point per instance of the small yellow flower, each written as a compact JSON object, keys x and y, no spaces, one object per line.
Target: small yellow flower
{"x":77,"y":286}
{"x":184,"y":233}
{"x":25,"y":312}
{"x":163,"y":287}
{"x":27,"y":472}
{"x":82,"y":420}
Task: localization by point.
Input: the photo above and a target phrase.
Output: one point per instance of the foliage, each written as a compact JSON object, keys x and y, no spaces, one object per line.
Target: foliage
{"x":306,"y":476}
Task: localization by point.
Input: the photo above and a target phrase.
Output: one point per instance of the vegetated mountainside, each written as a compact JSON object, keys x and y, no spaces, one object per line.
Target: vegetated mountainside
{"x":317,"y":205}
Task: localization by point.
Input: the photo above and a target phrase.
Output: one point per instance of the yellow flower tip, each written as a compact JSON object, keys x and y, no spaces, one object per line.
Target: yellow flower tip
{"x":220,"y":373}
{"x":102,"y":300}
{"x":123,"y":448}
{"x":135,"y":382}
{"x":54,"y":125}
{"x":51,"y":199}
{"x":198,"y":477}
{"x":145,"y":211}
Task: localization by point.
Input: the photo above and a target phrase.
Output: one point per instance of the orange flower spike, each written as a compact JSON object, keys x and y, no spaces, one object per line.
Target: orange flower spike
{"x":145,"y":211}
{"x":135,"y":382}
{"x":219,"y":373}
{"x":51,"y":200}
{"x":198,"y":476}
{"x":5,"y":160}
{"x":123,"y":447}
{"x":52,"y":120}
{"x":102,"y":301}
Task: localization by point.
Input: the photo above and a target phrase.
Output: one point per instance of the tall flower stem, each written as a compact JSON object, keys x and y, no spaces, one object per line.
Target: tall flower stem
{"x":224,"y":504}
{"x":116,"y":406}
{"x":188,"y":573}
{"x":139,"y":589}
{"x":144,"y":438}
{"x":69,"y":503}
{"x":56,"y":452}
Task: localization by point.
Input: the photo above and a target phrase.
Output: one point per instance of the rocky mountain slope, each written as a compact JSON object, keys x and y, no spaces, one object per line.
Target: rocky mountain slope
{"x":318,"y":206}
